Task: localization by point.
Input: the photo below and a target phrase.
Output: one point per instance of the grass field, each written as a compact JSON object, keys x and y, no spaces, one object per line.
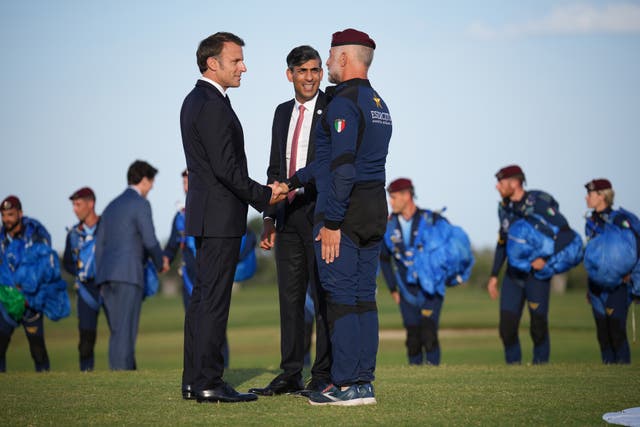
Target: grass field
{"x":471,"y":387}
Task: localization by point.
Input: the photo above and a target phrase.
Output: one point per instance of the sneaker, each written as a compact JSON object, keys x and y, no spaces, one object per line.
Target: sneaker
{"x":333,"y":395}
{"x":366,"y":394}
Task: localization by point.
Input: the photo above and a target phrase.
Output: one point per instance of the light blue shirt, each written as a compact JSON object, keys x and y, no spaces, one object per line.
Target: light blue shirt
{"x":405,"y":226}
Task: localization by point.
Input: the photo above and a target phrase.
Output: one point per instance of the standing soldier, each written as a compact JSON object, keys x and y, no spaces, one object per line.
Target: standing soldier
{"x":79,"y":261}
{"x":352,"y":142}
{"x":420,"y":300}
{"x":611,"y":255}
{"x":29,"y":264}
{"x":525,"y":282}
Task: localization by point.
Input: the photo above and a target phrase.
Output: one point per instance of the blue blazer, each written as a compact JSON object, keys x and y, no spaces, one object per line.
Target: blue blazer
{"x":220,"y":189}
{"x":125,"y":239}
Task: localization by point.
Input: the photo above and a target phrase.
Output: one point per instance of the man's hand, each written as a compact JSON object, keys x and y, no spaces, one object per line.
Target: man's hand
{"x":268,"y":238}
{"x":279,"y":191}
{"x":166,"y":265}
{"x":396,"y":296}
{"x":330,"y":244}
{"x":538,"y":264}
{"x":492,"y":287}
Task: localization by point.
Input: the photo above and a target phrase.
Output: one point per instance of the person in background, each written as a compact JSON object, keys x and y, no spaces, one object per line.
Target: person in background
{"x":125,"y":240}
{"x":79,"y":261}
{"x":613,"y":247}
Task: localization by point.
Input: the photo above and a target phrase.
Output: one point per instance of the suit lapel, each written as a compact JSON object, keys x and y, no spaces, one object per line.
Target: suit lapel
{"x":317,"y":114}
{"x":283,"y":126}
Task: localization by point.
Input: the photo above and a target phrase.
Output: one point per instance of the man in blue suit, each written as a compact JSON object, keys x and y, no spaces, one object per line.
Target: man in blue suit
{"x":293,"y":147}
{"x":124,"y":241}
{"x":220,"y":191}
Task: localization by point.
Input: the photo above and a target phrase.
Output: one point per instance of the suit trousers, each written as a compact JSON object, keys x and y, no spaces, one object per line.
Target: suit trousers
{"x":122,"y":304}
{"x":205,"y":324}
{"x":297,"y":271}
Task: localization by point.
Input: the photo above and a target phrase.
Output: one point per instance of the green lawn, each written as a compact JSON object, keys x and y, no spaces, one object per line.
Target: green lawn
{"x":472,"y":387}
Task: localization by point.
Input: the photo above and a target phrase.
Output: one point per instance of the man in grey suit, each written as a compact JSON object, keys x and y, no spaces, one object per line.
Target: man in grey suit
{"x":125,"y":240}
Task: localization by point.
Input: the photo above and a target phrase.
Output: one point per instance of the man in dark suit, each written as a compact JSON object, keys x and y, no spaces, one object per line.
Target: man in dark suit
{"x":220,"y":191}
{"x":124,"y":241}
{"x":293,"y":147}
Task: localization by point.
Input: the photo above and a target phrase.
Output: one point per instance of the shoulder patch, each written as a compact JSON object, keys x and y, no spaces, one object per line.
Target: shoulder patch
{"x":339,"y":125}
{"x":625,"y":224}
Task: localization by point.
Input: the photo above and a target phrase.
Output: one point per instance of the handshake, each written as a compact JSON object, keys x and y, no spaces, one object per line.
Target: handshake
{"x":279,"y":192}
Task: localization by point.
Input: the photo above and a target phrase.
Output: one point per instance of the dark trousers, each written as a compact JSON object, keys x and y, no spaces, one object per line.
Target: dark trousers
{"x":350,"y":285}
{"x":88,"y":325}
{"x":610,"y":307}
{"x":205,"y":324}
{"x":33,"y":324}
{"x":186,"y":297}
{"x":516,"y":289}
{"x":122,"y":304}
{"x":422,"y":324}
{"x":297,"y":271}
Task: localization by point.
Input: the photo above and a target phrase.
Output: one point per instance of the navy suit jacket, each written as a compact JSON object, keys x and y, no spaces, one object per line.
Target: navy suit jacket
{"x":277,"y":170}
{"x":125,"y":240}
{"x":220,"y":189}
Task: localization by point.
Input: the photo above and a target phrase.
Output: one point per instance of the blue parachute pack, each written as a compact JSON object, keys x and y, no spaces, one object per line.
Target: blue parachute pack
{"x":247,"y":263}
{"x":84,"y":249}
{"x":441,"y":256}
{"x":611,"y":251}
{"x":534,"y":236}
{"x":32,"y":266}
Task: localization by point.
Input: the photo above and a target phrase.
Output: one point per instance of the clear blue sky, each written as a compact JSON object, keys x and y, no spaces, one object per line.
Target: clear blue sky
{"x":86,"y":87}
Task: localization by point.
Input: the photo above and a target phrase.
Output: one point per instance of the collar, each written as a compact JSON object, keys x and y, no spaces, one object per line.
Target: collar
{"x":215,"y":84}
{"x":134,"y":188}
{"x":310,"y":105}
{"x":353,"y":82}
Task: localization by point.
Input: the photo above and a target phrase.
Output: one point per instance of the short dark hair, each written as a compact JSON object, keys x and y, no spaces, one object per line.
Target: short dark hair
{"x":139,"y":170}
{"x":301,"y":54}
{"x":212,"y":46}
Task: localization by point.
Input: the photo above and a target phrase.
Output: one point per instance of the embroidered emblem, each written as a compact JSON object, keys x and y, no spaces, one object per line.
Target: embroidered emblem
{"x":339,"y":125}
{"x":534,"y":305}
{"x":426,"y":313}
{"x":377,"y":100}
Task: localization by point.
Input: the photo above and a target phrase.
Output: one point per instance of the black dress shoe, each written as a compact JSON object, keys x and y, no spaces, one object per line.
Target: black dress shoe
{"x":316,"y":385}
{"x":279,"y":385}
{"x":225,"y":394}
{"x":188,"y":393}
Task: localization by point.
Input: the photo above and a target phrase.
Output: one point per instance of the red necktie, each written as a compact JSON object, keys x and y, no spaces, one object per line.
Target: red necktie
{"x":294,"y":150}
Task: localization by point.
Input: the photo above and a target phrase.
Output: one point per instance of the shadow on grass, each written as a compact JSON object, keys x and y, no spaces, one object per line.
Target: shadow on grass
{"x":240,"y":376}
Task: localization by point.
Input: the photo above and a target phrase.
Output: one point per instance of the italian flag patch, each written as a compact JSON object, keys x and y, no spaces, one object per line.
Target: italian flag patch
{"x":340,"y":124}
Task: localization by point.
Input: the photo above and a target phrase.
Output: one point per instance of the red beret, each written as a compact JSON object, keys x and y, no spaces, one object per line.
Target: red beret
{"x":83,"y":193}
{"x":351,"y":36}
{"x":509,"y":172}
{"x":598,"y":184}
{"x":11,"y":202}
{"x":399,"y":185}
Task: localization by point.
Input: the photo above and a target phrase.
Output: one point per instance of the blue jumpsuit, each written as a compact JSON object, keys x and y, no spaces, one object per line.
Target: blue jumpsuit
{"x":610,"y":305}
{"x":352,"y":140}
{"x":420,"y":317}
{"x":518,"y":286}
{"x":79,"y":260}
